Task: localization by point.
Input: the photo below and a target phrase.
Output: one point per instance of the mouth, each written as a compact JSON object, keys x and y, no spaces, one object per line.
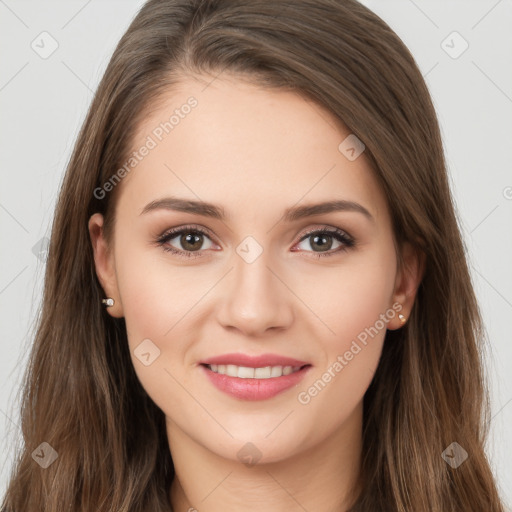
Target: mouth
{"x":248,"y":383}
{"x":247,"y":372}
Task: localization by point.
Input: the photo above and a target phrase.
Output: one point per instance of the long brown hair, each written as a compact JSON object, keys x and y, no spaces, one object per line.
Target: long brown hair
{"x":81,"y":394}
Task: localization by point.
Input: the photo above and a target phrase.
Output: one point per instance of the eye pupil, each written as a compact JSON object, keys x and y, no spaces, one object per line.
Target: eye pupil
{"x":188,"y":240}
{"x":323,"y":245}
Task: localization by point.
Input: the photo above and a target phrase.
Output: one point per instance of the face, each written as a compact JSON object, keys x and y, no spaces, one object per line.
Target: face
{"x":256,"y":273}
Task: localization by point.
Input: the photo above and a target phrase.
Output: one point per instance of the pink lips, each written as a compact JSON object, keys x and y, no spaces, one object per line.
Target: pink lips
{"x":254,"y":361}
{"x":254,"y":389}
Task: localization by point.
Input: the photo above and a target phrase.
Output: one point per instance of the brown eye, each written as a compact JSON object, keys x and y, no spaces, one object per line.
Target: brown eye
{"x":191,"y":241}
{"x":185,"y":241}
{"x":322,"y":241}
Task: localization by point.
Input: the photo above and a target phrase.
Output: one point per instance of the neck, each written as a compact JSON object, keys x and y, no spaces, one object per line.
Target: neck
{"x":319,"y":478}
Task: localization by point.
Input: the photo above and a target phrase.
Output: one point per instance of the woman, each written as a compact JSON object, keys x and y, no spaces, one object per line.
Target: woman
{"x":257,"y":296}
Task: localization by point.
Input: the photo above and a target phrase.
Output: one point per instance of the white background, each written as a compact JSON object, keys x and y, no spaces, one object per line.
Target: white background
{"x":43,"y":103}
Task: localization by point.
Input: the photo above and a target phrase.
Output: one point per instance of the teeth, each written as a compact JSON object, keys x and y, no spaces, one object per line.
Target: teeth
{"x":244,"y":372}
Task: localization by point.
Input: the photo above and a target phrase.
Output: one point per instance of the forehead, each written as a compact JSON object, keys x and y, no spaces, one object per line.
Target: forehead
{"x":246,"y":148}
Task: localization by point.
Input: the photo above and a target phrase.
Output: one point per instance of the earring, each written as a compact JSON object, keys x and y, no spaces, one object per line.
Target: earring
{"x":402,"y":318}
{"x":108,"y":301}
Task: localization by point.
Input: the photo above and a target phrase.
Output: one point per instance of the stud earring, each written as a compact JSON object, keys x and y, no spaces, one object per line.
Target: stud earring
{"x":402,"y":318}
{"x":108,"y":301}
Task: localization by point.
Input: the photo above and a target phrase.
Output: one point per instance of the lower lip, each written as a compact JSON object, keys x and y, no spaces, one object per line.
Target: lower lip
{"x":254,"y":389}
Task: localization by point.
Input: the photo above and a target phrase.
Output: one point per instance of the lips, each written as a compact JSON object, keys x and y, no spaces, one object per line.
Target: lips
{"x":252,"y":387}
{"x":254,"y":361}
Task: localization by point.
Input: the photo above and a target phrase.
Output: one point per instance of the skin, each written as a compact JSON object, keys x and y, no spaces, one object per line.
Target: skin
{"x":254,"y":152}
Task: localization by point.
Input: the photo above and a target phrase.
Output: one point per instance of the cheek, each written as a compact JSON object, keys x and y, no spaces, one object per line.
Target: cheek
{"x":157,"y":296}
{"x":355,"y":306}
{"x":159,"y":305}
{"x":352,"y":298}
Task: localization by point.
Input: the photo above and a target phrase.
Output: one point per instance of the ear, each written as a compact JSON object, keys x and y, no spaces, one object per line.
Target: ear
{"x":407,"y":281}
{"x":105,"y":265}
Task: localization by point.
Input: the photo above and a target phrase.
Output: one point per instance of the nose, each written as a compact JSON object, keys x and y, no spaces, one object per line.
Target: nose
{"x":255,"y":298}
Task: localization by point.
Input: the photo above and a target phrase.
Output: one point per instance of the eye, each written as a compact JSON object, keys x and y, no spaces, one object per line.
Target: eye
{"x":322,"y":240}
{"x":190,"y":238}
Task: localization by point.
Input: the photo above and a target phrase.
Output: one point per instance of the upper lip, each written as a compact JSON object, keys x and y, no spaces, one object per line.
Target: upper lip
{"x":254,"y":361}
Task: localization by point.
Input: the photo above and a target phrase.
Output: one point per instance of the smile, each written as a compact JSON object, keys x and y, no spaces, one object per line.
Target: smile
{"x":246,"y":383}
{"x":245,"y":372}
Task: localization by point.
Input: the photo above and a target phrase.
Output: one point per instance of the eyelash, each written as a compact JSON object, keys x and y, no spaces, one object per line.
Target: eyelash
{"x":347,"y":241}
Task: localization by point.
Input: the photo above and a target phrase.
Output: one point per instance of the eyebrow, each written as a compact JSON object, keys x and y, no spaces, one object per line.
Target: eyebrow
{"x":290,"y":215}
